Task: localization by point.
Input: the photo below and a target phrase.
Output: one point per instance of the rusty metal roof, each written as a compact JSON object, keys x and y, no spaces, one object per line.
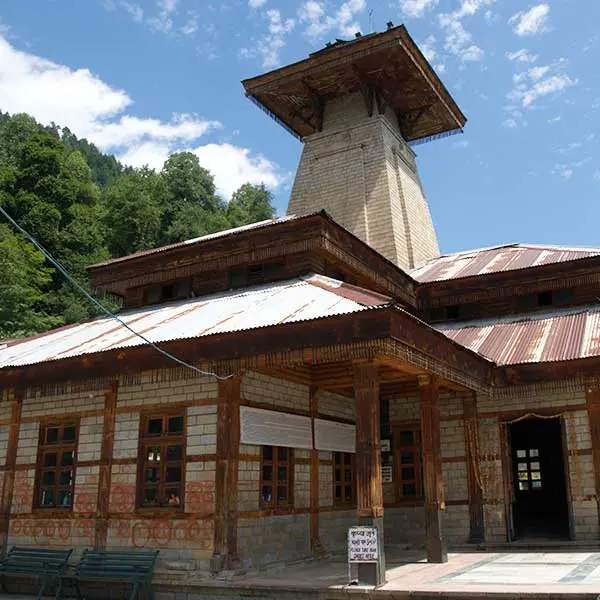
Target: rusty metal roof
{"x":559,"y":335}
{"x":298,"y":299}
{"x":497,"y":259}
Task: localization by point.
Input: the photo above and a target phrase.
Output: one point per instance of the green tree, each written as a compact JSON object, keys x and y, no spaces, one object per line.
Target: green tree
{"x":23,"y":278}
{"x":250,"y":204}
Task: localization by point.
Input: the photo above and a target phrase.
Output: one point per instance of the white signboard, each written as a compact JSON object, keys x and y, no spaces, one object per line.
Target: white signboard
{"x":335,"y":437}
{"x":386,"y":474}
{"x":362,"y":544}
{"x":271,"y":428}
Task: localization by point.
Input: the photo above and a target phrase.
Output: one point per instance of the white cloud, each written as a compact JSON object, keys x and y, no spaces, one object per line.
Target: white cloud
{"x":190,"y":27}
{"x":312,"y":14}
{"x":569,"y":147}
{"x":532,"y":21}
{"x":428,"y":48}
{"x":536,"y":73}
{"x":597,"y":175}
{"x":164,"y":20}
{"x":256,"y":3}
{"x":551,"y":85}
{"x":522,"y":55}
{"x":91,"y":108}
{"x":269,"y":47}
{"x":554,"y":120}
{"x":417,"y":8}
{"x":565,"y":172}
{"x":510,"y":123}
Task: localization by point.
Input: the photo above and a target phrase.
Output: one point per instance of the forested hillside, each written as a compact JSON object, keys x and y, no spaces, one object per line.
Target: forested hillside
{"x":83,"y":207}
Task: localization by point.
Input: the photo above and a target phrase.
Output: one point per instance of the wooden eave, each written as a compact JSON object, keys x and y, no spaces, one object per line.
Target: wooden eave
{"x":317,"y":233}
{"x":385,"y":332}
{"x":583,"y":271}
{"x":530,"y":373}
{"x":389,"y":63}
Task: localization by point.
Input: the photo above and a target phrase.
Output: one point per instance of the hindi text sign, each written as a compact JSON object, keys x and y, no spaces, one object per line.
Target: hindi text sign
{"x":362,"y":544}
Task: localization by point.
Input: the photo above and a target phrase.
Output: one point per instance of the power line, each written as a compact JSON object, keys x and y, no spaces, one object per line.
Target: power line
{"x":99,"y":305}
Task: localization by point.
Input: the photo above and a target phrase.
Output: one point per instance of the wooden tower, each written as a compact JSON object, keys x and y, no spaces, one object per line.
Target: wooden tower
{"x":357,"y":105}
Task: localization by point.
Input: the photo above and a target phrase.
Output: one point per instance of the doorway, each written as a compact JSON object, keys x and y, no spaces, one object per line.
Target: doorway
{"x":540,"y":507}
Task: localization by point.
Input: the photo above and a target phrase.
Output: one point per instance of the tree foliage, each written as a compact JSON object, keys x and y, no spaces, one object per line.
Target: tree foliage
{"x":83,"y":207}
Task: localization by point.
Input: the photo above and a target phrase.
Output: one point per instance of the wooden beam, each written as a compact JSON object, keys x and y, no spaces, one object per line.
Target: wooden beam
{"x":475,"y":492}
{"x":105,"y":469}
{"x":316,"y":103}
{"x":433,"y":482}
{"x":369,"y":488}
{"x":315,"y":540}
{"x":367,"y":90}
{"x":228,"y":447}
{"x":592,"y":395}
{"x":16,"y":396}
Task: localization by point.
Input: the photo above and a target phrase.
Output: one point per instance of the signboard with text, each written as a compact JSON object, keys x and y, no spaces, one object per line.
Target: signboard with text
{"x":362,"y":545}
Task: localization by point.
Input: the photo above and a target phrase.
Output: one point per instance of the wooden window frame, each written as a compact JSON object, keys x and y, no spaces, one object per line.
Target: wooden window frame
{"x":162,"y":440}
{"x":347,"y":460}
{"x":416,"y":448}
{"x":274,"y":482}
{"x":59,"y":448}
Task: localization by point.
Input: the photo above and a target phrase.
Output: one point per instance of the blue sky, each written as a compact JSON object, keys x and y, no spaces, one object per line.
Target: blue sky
{"x":143,"y":79}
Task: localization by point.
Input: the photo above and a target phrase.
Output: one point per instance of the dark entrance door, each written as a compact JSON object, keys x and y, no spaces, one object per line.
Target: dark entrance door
{"x":540,"y":509}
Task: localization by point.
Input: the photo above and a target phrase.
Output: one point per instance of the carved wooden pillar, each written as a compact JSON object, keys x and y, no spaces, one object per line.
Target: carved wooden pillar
{"x":369,"y":487}
{"x":104,"y":476}
{"x":592,"y":395}
{"x":315,"y":542}
{"x":16,"y":398}
{"x":477,"y":526}
{"x":433,"y":482}
{"x":228,"y":447}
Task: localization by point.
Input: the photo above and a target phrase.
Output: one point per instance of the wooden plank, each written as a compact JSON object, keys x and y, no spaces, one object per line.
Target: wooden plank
{"x":433,"y":482}
{"x":475,"y":492}
{"x":228,"y":443}
{"x":592,"y":395}
{"x":9,"y":464}
{"x":105,"y":470}
{"x":315,"y":541}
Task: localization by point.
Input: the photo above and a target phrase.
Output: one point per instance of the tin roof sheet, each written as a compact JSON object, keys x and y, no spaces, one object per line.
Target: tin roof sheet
{"x":299,"y":299}
{"x":497,"y":259}
{"x":560,"y":335}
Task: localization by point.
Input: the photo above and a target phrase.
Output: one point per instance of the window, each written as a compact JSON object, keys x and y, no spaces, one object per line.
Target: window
{"x":453,"y":312}
{"x":168,"y":291}
{"x":56,"y":465}
{"x":344,"y":490}
{"x":528,"y":470}
{"x":277,"y":480}
{"x":254,"y":274}
{"x":162,"y":461}
{"x":408,"y":461}
{"x":544,"y":299}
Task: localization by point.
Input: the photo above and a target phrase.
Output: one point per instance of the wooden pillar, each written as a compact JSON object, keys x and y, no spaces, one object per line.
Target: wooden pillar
{"x":433,"y":482}
{"x":228,"y":447}
{"x":16,"y":398}
{"x":106,"y":455}
{"x":592,"y":395}
{"x":315,"y":541}
{"x":369,"y":489}
{"x":477,"y":526}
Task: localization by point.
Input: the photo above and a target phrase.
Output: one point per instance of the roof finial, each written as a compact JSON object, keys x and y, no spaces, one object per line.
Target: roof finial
{"x":389,"y":25}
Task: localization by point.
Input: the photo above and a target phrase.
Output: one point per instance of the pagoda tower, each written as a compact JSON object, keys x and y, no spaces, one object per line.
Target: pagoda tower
{"x":357,"y":105}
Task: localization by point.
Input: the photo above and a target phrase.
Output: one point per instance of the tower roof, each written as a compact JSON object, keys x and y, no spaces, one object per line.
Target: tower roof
{"x":388,"y":64}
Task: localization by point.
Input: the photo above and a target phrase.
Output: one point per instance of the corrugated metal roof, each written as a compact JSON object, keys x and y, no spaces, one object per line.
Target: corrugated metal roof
{"x":204,"y":238}
{"x":497,"y":259}
{"x":299,"y":299}
{"x":559,"y":335}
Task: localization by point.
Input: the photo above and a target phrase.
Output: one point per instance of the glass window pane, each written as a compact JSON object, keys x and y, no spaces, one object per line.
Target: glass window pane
{"x":523,"y":485}
{"x":155,"y":426}
{"x":51,"y":435}
{"x":282,"y":454}
{"x":523,"y":477}
{"x":337,"y":475}
{"x":150,"y":496}
{"x":338,"y":492}
{"x":408,"y":473}
{"x":281,"y":493}
{"x":153,"y":454}
{"x":267,"y":473}
{"x":174,"y":452}
{"x":522,"y":466}
{"x":348,"y":494}
{"x":176,"y":424}
{"x":267,"y":452}
{"x":66,"y":477}
{"x":152,"y":475}
{"x":407,"y":458}
{"x":67,"y":459}
{"x":47,"y":498}
{"x":337,"y":457}
{"x":536,"y":485}
{"x":173,"y":497}
{"x":49,"y":478}
{"x":267,"y":493}
{"x":406,"y":438}
{"x":348,"y":474}
{"x":282,"y":474}
{"x":535,"y":466}
{"x":536,"y":475}
{"x":65,"y":498}
{"x":533,"y":453}
{"x":69,"y":433}
{"x":409,"y":489}
{"x":521,"y":453}
{"x":50,"y":459}
{"x":173,"y":474}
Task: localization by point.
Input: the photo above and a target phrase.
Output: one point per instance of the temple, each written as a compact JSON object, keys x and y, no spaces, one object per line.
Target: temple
{"x":338,"y":370}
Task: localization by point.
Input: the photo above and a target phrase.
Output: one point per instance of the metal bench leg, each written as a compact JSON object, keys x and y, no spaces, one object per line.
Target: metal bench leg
{"x":44,"y":581}
{"x":134,"y":591}
{"x":150,"y":591}
{"x":78,"y":590}
{"x":59,"y":588}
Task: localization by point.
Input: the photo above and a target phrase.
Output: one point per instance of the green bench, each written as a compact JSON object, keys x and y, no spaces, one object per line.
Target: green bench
{"x":103,"y":566}
{"x":39,"y":563}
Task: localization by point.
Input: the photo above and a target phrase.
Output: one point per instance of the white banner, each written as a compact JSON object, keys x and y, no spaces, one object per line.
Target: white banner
{"x":335,"y":437}
{"x":271,"y":428}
